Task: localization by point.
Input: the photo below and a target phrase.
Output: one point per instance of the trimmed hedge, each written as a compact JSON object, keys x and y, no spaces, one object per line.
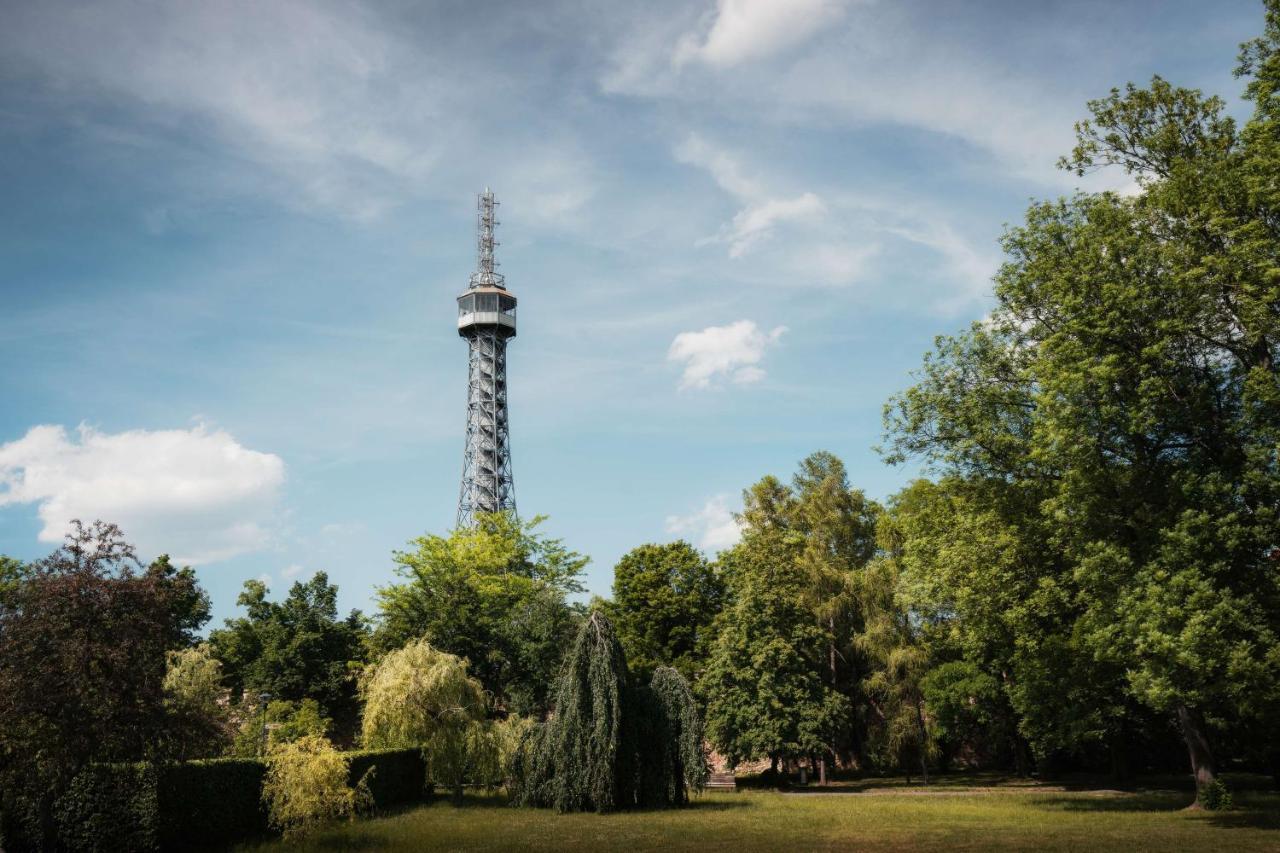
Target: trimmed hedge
{"x":210,"y":803}
{"x":399,"y":776}
{"x":109,"y":807}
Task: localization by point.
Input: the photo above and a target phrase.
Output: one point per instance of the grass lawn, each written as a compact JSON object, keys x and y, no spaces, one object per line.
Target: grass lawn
{"x":954,"y":815}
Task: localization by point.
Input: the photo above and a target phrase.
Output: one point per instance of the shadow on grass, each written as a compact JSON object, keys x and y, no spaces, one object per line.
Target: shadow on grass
{"x":1252,"y":813}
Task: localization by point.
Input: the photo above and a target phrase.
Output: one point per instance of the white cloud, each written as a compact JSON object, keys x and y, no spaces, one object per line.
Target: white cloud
{"x":196,"y":494}
{"x":291,"y":571}
{"x":731,"y":352}
{"x":723,"y":167}
{"x":713,"y":528}
{"x":743,"y":30}
{"x":755,"y":223}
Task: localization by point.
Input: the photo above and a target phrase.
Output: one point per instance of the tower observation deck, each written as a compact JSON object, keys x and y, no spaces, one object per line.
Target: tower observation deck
{"x":487,"y":319}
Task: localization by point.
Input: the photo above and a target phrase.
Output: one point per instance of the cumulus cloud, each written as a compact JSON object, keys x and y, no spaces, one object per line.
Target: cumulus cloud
{"x":197,"y":494}
{"x":731,"y":353}
{"x":713,"y":527}
{"x":742,"y":30}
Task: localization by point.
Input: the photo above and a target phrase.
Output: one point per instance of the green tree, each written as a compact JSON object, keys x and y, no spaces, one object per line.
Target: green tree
{"x":296,"y":649}
{"x":196,"y":701}
{"x":418,"y":696}
{"x":279,"y":721}
{"x":494,"y":594}
{"x":190,"y":602}
{"x":665,"y":598}
{"x":763,"y":687}
{"x":12,"y":574}
{"x":838,"y":525}
{"x":1128,"y":374}
{"x":610,"y":743}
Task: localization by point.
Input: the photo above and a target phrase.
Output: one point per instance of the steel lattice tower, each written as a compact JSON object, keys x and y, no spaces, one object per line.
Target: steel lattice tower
{"x":487,"y":319}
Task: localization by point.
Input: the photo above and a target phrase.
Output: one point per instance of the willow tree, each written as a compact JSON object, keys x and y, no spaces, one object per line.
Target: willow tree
{"x":419,"y":696}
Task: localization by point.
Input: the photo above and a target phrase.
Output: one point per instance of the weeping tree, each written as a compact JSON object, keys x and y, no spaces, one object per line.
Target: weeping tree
{"x":419,"y":696}
{"x":609,"y":745}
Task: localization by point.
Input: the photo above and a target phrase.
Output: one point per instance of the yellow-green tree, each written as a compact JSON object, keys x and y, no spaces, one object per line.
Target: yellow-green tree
{"x":306,"y":785}
{"x":419,"y":696}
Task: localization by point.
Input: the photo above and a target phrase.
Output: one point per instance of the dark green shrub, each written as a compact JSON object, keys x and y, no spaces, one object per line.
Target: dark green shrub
{"x":399,"y":776}
{"x":193,"y":804}
{"x":1216,"y":797}
{"x":109,"y":807}
{"x":211,"y":802}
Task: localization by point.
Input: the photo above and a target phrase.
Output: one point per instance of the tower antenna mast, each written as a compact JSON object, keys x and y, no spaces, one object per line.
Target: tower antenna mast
{"x":487,"y":319}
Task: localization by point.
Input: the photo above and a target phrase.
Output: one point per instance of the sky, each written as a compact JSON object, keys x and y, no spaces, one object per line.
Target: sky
{"x":231,"y":234}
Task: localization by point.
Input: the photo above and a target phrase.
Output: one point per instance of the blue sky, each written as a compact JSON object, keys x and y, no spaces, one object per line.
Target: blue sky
{"x":231,"y":235}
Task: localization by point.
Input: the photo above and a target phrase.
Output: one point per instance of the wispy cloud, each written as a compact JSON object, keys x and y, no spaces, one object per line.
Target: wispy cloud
{"x":197,"y":494}
{"x":742,"y":30}
{"x":713,"y":527}
{"x":723,"y":353}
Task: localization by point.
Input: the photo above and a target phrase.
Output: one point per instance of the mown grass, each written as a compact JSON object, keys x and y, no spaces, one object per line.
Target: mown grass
{"x":862,"y":817}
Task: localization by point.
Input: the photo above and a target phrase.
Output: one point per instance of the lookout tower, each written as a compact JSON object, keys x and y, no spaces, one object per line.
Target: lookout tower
{"x":487,"y":319}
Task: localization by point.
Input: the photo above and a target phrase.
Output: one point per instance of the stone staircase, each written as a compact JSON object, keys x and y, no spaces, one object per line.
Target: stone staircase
{"x":722,"y":782}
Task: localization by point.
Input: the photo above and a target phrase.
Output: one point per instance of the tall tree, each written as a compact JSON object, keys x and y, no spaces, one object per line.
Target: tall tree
{"x":494,"y":594}
{"x":763,"y":686}
{"x":665,"y":598}
{"x":295,"y":649}
{"x":1129,"y":371}
{"x":838,"y":524}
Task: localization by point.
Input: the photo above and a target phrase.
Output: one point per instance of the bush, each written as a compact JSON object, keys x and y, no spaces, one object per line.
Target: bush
{"x":211,"y":803}
{"x":306,"y":786}
{"x":109,"y":807}
{"x":399,"y":776}
{"x":1216,"y":797}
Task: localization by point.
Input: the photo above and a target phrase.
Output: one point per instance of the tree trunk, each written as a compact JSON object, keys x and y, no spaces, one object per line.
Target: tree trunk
{"x":457,"y":794}
{"x":1202,"y":766}
{"x":924,"y":743}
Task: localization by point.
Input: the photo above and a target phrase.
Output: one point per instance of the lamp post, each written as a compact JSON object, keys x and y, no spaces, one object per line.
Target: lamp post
{"x":264,"y":698}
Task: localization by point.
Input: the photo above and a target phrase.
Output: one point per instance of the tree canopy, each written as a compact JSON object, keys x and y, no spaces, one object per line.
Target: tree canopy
{"x":494,"y":594}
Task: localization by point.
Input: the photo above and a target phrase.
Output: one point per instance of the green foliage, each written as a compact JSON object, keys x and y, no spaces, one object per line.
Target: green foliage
{"x":967,"y":708}
{"x":195,"y":699}
{"x":109,"y":807}
{"x":296,"y":649}
{"x":684,"y":761}
{"x":421,"y":697}
{"x":572,"y":764}
{"x":1215,"y":797}
{"x":665,"y":598}
{"x":218,"y":801}
{"x":763,"y":686}
{"x":282,"y":722}
{"x":306,"y":786}
{"x":393,"y":777}
{"x":1118,"y":415}
{"x":494,"y":594}
{"x":83,"y":638}
{"x":608,"y":745}
{"x":12,"y":574}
